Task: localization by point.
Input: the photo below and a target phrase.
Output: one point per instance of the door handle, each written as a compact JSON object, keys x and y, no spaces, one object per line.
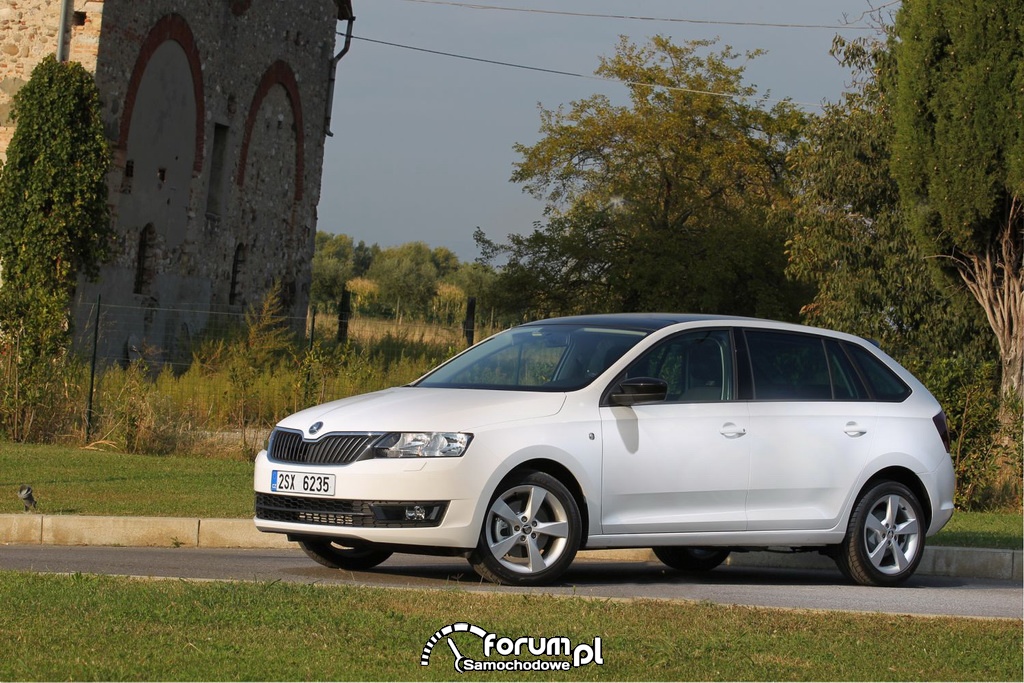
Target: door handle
{"x":853,"y":429}
{"x":731,"y":431}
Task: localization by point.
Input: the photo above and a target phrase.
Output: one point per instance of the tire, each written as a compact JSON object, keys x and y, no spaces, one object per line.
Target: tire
{"x":531,"y":531}
{"x":687,"y":559}
{"x":884,"y":540}
{"x":336,"y":556}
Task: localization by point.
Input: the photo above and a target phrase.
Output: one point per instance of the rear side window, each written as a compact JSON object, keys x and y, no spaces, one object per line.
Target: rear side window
{"x":884,"y":384}
{"x":788,"y":367}
{"x":846,"y":383}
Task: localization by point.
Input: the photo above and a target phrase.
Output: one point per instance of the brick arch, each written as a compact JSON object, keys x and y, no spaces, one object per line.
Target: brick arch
{"x":170,"y":27}
{"x":280,"y":74}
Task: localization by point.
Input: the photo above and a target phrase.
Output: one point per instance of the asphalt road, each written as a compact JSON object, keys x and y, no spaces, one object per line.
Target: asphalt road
{"x":799,"y":589}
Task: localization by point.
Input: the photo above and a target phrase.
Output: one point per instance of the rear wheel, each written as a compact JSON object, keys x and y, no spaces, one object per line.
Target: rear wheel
{"x":885,"y":537}
{"x":337,"y":556}
{"x":531,"y":531}
{"x":687,"y":559}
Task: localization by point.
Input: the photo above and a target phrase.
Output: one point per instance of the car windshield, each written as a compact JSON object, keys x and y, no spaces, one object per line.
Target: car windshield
{"x":558,"y":357}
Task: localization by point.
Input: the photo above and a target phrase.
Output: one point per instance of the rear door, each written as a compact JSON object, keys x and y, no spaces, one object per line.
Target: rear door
{"x":811,"y":428}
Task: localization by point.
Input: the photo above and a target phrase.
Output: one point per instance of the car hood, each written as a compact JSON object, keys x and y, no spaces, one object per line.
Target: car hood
{"x":423,"y":409}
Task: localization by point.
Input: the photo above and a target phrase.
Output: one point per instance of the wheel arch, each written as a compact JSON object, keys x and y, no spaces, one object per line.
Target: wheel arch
{"x":564,"y":475}
{"x":906,"y":477}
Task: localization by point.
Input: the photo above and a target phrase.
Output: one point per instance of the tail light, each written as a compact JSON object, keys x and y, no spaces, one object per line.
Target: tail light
{"x":940,"y":424}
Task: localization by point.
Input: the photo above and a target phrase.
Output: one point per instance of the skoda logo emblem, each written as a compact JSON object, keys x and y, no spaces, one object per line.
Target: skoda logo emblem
{"x":315,"y":427}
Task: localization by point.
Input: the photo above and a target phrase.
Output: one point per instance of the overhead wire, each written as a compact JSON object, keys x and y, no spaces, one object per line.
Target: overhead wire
{"x":572,"y":74}
{"x":631,"y":17}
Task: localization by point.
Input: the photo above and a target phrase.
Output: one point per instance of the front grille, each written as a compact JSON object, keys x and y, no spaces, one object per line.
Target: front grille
{"x":331,"y":449}
{"x":378,"y":514}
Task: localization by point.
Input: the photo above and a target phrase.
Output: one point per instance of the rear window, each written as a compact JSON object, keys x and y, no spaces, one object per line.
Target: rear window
{"x":884,"y":384}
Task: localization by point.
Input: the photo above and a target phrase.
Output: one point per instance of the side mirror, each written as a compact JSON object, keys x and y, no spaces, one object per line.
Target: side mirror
{"x":631,"y":392}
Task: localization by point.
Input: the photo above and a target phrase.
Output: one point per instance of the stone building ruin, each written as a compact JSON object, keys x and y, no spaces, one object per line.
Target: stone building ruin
{"x":216,"y":111}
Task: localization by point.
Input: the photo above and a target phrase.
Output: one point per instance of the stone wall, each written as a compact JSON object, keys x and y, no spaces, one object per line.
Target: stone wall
{"x":215,"y":111}
{"x":29,"y":32}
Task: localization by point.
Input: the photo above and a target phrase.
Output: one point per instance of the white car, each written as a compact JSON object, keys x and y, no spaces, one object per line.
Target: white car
{"x":693,"y":435}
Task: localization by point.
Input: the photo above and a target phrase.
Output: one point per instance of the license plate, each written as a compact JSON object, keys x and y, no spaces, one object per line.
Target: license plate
{"x":302,"y":482}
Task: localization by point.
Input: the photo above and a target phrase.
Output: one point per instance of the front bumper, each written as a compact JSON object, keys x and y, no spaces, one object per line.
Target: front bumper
{"x":414,"y":502}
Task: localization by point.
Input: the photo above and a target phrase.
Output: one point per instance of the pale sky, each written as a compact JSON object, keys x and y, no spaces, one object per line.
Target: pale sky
{"x":422,"y":145}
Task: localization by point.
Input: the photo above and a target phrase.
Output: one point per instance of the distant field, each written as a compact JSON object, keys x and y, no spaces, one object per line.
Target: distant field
{"x":70,"y":480}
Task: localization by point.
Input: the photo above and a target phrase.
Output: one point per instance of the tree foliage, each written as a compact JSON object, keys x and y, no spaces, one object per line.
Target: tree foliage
{"x":332,"y":268}
{"x":411,"y":279}
{"x":667,"y":202}
{"x":852,"y":243}
{"x":959,"y":142}
{"x":407,"y":276}
{"x":53,"y":212}
{"x":850,"y":239}
{"x":53,"y":226}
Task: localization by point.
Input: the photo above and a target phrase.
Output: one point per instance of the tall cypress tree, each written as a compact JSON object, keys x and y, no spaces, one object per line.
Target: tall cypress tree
{"x":959,"y":152}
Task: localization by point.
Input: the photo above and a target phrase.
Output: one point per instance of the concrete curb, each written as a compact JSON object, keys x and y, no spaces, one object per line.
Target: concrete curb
{"x":173,"y":532}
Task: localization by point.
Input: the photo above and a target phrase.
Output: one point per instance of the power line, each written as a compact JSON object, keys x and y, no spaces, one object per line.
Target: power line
{"x":572,"y":74}
{"x":630,"y":17}
{"x":476,"y":59}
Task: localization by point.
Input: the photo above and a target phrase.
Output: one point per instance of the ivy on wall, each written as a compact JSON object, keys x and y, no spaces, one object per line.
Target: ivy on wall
{"x":54,"y":221}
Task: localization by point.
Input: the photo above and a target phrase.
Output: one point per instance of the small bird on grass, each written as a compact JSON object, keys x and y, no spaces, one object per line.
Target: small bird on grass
{"x":25,"y":493}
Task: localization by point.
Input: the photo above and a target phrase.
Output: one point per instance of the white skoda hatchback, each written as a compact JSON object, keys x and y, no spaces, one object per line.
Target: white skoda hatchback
{"x":693,"y":435}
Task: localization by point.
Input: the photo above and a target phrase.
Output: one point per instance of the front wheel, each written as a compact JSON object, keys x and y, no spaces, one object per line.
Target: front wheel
{"x":531,"y":531}
{"x":885,"y":537}
{"x":336,"y":556}
{"x":687,"y":559}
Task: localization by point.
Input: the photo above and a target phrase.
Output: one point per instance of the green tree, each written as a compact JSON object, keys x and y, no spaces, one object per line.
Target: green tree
{"x":363,"y":257}
{"x":445,"y":260}
{"x":53,"y":226}
{"x":332,"y":268}
{"x":959,"y":152}
{"x":667,"y":202}
{"x":852,"y":243}
{"x":53,"y":213}
{"x":850,"y":239}
{"x":407,"y":277}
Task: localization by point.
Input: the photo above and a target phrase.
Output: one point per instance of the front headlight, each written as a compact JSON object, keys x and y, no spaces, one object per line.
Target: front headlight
{"x":422,"y":445}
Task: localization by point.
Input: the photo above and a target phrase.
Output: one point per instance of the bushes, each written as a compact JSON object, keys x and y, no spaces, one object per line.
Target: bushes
{"x":237,"y":386}
{"x":986,"y":452}
{"x":234,"y":391}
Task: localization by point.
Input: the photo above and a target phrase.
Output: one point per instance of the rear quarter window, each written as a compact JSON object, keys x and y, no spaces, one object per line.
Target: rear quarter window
{"x":884,"y":384}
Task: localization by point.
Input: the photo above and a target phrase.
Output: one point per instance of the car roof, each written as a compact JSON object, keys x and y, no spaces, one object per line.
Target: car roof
{"x":648,"y":322}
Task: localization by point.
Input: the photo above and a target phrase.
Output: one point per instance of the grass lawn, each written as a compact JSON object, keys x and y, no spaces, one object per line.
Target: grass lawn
{"x":70,"y":480}
{"x":76,"y":481}
{"x":103,"y":628}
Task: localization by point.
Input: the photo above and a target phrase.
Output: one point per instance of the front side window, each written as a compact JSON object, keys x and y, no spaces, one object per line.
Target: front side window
{"x":536,"y":358}
{"x":697,"y":366}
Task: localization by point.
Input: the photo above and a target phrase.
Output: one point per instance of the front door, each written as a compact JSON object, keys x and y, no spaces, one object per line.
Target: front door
{"x":682,"y":464}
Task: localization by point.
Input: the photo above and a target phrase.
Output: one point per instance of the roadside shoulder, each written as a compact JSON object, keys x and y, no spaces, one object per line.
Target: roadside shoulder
{"x":172,"y":532}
